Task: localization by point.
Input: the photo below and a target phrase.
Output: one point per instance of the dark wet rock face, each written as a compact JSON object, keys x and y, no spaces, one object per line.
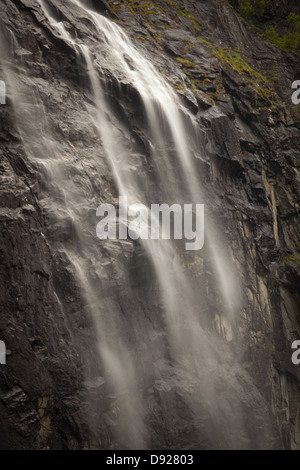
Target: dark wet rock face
{"x":52,"y":391}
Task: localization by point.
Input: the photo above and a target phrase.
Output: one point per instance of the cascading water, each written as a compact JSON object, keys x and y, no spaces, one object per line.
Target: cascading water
{"x":174,"y":350}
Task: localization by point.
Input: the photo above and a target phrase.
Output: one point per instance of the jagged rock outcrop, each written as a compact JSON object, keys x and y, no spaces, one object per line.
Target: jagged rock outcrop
{"x":51,"y":390}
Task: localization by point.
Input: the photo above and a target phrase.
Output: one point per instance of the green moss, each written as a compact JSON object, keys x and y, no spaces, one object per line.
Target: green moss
{"x":142,"y":8}
{"x":256,"y":80}
{"x":219,"y":89}
{"x":155,"y":36}
{"x":189,"y":46}
{"x":115,"y":9}
{"x":265,"y":93}
{"x":295,"y":259}
{"x":194,"y":21}
{"x":179,"y":87}
{"x":185,"y":62}
{"x":139,"y":38}
{"x":183,"y":11}
{"x":206,"y":42}
{"x":195,"y":83}
{"x":237,"y":63}
{"x":234,"y":60}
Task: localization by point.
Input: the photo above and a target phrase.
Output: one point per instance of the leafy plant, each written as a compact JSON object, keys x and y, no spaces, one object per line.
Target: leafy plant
{"x":290,"y":40}
{"x":252,"y":9}
{"x":294,"y":20}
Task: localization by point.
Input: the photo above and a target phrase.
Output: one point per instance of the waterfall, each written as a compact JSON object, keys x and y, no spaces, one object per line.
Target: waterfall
{"x":174,"y":349}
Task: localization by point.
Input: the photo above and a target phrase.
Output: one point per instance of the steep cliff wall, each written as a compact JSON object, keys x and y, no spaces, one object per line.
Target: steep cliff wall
{"x":238,"y":87}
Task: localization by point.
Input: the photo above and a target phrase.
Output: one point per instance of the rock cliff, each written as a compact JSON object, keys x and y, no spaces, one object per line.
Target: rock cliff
{"x":238,"y":87}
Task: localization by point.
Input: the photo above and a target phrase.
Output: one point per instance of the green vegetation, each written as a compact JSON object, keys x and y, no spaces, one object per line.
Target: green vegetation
{"x":147,"y":7}
{"x":143,"y":8}
{"x":256,"y":80}
{"x":252,"y":9}
{"x":115,"y":9}
{"x":287,"y":38}
{"x":185,"y":62}
{"x":179,"y":87}
{"x":219,"y":88}
{"x":273,"y":73}
{"x":237,"y":63}
{"x":294,"y":20}
{"x":295,"y":111}
{"x":189,"y":46}
{"x":234,"y":60}
{"x":206,"y":42}
{"x":265,"y":93}
{"x":295,"y":260}
{"x":139,"y":38}
{"x":194,"y":21}
{"x":290,"y":39}
{"x":183,"y":11}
